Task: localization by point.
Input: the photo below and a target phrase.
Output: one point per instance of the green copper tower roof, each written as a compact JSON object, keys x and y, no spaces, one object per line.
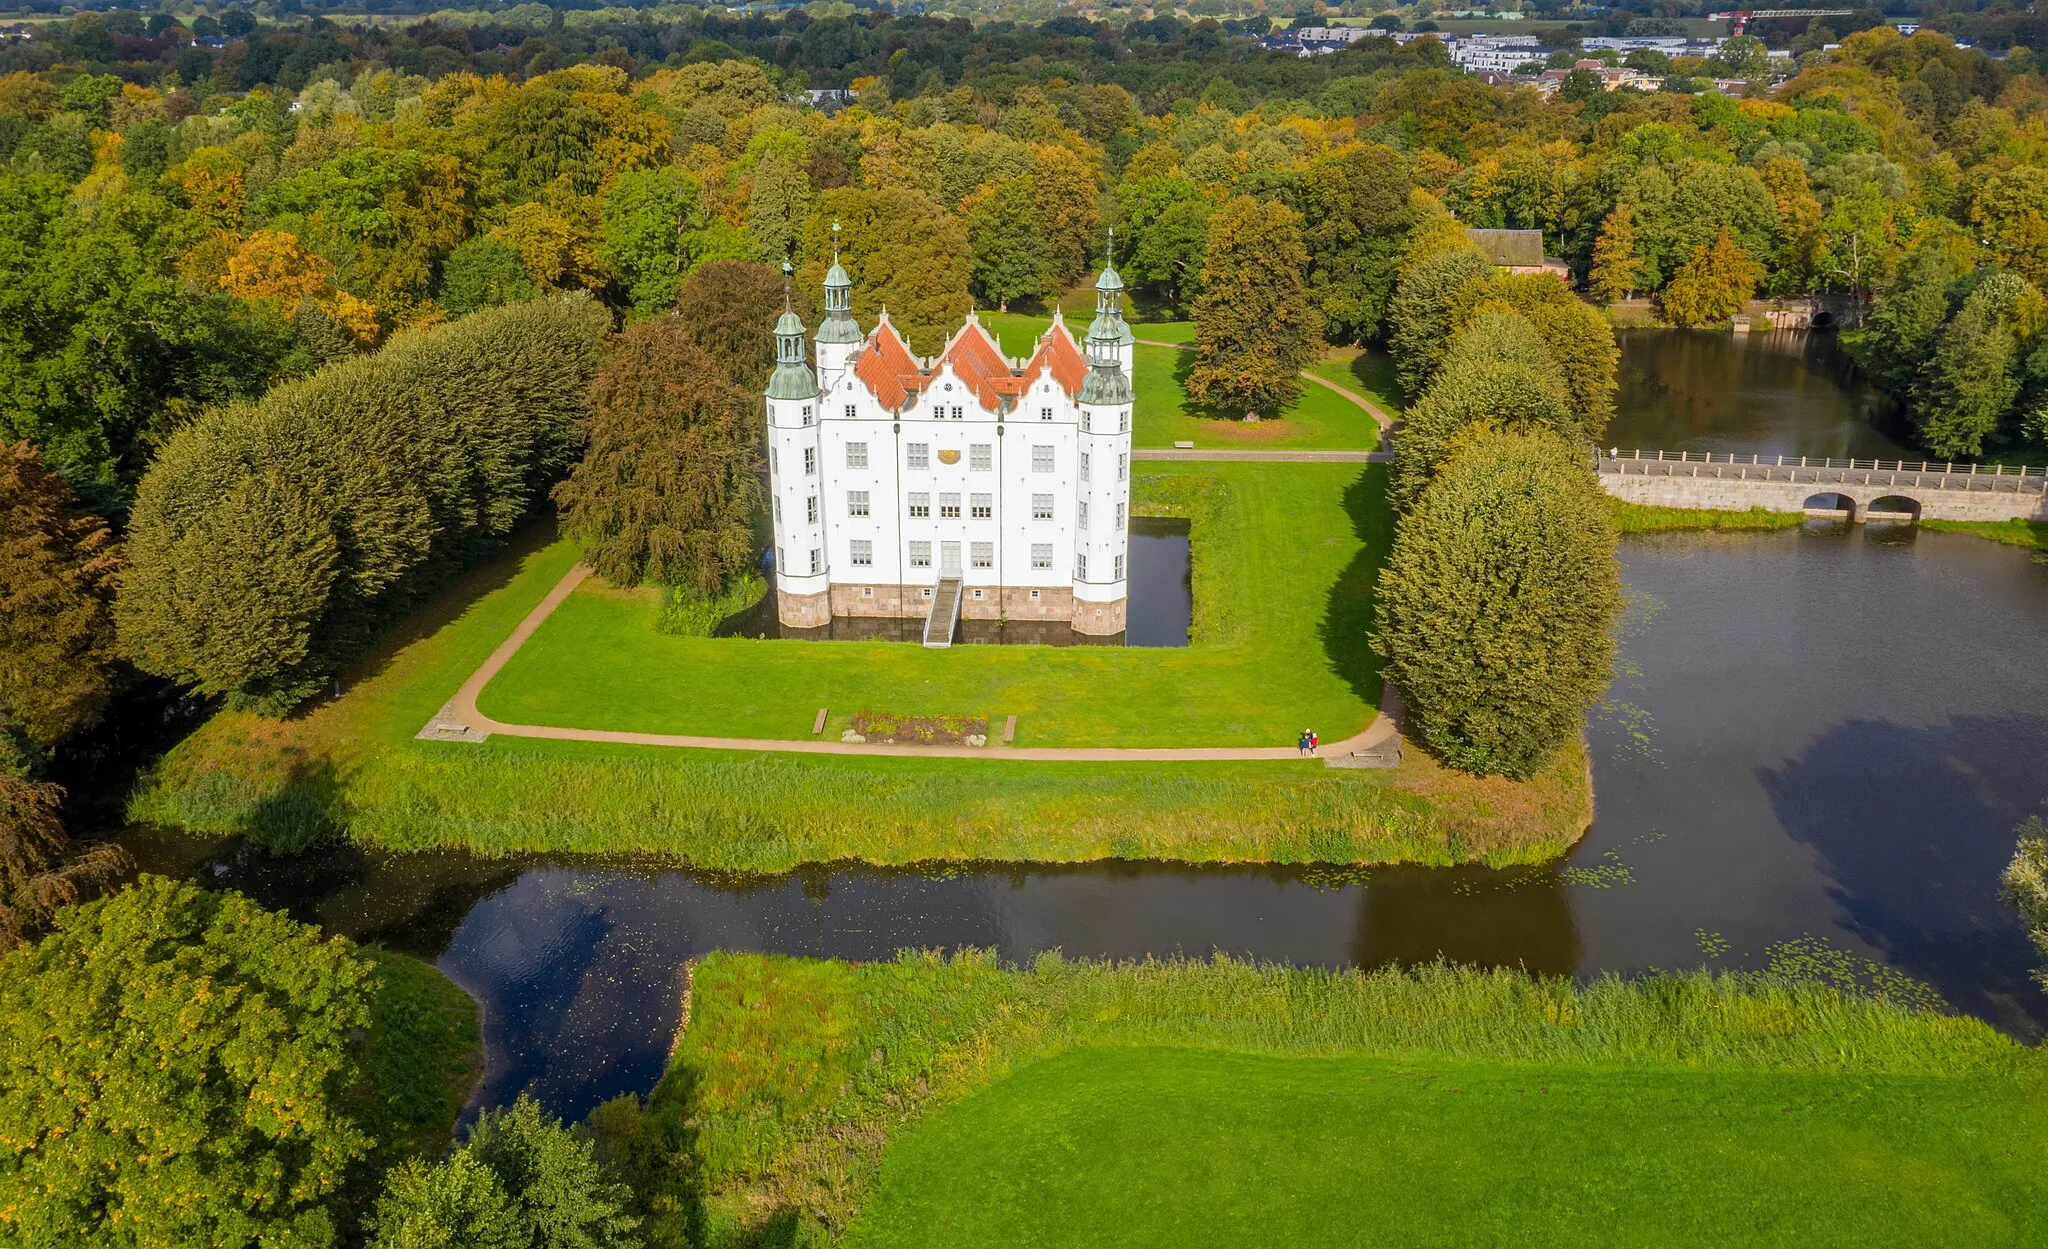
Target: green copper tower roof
{"x":838,"y":325}
{"x":792,"y":378}
{"x":1108,"y":326}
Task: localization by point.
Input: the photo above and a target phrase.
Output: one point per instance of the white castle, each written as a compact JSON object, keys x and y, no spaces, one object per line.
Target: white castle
{"x":968,"y":484}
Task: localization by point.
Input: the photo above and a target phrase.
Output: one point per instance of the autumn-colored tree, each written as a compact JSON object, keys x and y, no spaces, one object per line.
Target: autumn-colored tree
{"x":39,"y":869}
{"x":904,"y":253}
{"x":668,"y":487}
{"x":1064,"y":210}
{"x":1616,"y":267}
{"x":1715,"y":284}
{"x":729,"y":308}
{"x":213,"y":183}
{"x":272,"y":265}
{"x":57,"y":566}
{"x":1255,"y":328}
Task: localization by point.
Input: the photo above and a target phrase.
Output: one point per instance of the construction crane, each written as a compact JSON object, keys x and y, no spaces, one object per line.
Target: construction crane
{"x":1743,"y":17}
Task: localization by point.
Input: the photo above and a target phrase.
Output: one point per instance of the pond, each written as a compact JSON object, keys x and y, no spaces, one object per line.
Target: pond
{"x":1817,"y":744}
{"x":1158,"y":612}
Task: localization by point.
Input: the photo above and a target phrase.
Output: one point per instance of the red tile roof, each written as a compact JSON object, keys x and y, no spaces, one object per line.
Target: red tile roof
{"x":1057,"y":353}
{"x":974,"y":356}
{"x":886,"y":367}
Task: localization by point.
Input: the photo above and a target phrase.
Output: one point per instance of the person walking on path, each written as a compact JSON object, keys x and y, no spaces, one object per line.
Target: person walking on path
{"x":1313,"y":741}
{"x":1301,"y":743}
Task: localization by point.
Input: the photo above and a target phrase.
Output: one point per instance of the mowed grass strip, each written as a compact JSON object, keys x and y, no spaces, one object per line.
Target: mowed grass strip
{"x":1319,"y":419}
{"x":1286,"y":559}
{"x":1183,"y":1147}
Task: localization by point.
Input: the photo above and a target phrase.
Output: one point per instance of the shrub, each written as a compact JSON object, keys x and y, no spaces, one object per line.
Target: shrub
{"x":1497,"y":371}
{"x":271,"y":541}
{"x":687,"y":614}
{"x":1496,"y":602}
{"x":176,"y":1067}
{"x":2026,"y":884}
{"x":668,"y":488}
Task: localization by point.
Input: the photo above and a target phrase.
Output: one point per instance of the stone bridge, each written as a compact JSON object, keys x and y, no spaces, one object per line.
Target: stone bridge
{"x":1859,"y":489}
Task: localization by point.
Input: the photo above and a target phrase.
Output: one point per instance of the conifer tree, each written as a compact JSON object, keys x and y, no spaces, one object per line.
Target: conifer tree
{"x":1715,"y":284}
{"x":1254,"y":326}
{"x":1968,"y":384}
{"x":1615,"y":264}
{"x":1496,"y":604}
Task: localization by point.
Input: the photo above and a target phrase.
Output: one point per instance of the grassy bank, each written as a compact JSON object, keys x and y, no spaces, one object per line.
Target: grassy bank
{"x":422,"y":1058}
{"x":1285,"y":560}
{"x":351,"y":766}
{"x":2030,"y":535}
{"x":1644,"y":518}
{"x":933,"y":1101}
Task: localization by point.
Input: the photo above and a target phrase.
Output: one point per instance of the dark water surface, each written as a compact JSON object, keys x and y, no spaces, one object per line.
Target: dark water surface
{"x":1787,"y":392}
{"x":1825,"y":733}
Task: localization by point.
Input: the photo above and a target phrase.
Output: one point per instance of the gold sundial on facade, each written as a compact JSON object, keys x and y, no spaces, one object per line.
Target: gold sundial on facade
{"x":949,"y":457}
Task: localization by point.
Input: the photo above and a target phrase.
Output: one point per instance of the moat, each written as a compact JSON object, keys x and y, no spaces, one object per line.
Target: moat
{"x":1808,"y":742}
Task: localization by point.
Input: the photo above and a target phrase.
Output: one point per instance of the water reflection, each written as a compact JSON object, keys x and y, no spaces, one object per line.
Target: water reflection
{"x":1788,"y":392}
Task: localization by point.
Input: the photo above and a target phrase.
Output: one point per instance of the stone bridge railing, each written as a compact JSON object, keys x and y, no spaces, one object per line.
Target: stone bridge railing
{"x":1945,"y":491}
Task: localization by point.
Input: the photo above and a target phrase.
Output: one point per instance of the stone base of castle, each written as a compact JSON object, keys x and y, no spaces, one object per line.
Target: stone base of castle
{"x":994,"y":603}
{"x":1099,"y":619}
{"x":803,"y":611}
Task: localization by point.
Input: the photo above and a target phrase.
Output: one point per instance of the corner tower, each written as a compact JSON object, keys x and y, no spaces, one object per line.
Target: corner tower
{"x":796,"y":482}
{"x":1103,"y":488}
{"x":839,"y":335}
{"x":1109,"y":326}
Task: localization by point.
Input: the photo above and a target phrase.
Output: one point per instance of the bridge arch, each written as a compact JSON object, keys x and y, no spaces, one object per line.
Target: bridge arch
{"x":1830,"y":501}
{"x":1893,"y":507}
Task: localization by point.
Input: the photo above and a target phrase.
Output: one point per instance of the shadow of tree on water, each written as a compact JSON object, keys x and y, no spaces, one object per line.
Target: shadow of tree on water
{"x":1915,"y":824}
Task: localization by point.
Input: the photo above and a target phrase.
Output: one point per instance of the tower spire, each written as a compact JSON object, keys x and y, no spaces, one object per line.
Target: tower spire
{"x":838,"y":325}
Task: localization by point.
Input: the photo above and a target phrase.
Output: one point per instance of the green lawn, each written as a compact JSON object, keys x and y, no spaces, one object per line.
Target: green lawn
{"x":1286,"y":559}
{"x":351,"y":767}
{"x":1180,"y":1147}
{"x":1320,"y":419}
{"x":935,"y":1100}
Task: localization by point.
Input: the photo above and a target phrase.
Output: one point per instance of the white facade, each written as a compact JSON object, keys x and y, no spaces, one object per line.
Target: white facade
{"x":888,"y":472}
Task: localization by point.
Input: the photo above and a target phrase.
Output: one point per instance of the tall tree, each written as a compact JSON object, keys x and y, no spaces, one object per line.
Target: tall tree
{"x":483,"y":273}
{"x":1496,"y":605}
{"x":1423,"y":308}
{"x":1901,"y":330}
{"x":1968,"y":384}
{"x":729,"y":308}
{"x":777,"y":205}
{"x":644,"y":213}
{"x":667,"y":490}
{"x":57,"y":567}
{"x":904,"y":253}
{"x":1009,"y":257}
{"x":1254,"y":326}
{"x":1718,"y":282}
{"x":1497,"y":372}
{"x":1356,"y":202}
{"x":1615,"y":275}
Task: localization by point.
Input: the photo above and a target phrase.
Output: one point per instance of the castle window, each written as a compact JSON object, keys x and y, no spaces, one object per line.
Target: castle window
{"x":1084,"y":515}
{"x":856,"y":455}
{"x":778,"y":559}
{"x":1041,"y":557}
{"x":815,"y":560}
{"x":1087,"y":424}
{"x":980,"y":457}
{"x":949,"y":507}
{"x":1084,"y":465}
{"x":982,"y":506}
{"x":980,"y":594}
{"x":867,"y":591}
{"x":1123,"y":421}
{"x":918,"y":454}
{"x":1041,"y":507}
{"x":774,"y":460}
{"x":1119,"y":516}
{"x":807,"y":414}
{"x":983,"y":554}
{"x":1080,"y":567}
{"x":920,"y":555}
{"x":811,"y":510}
{"x":1041,"y":459}
{"x":856,"y":503}
{"x":1118,"y":562}
{"x":810,"y":461}
{"x":863,"y":552}
{"x":1045,"y":414}
{"x":957,"y":411}
{"x":778,"y":509}
{"x":1048,"y":564}
{"x":1123,"y":467}
{"x":849,"y":411}
{"x":920,"y":505}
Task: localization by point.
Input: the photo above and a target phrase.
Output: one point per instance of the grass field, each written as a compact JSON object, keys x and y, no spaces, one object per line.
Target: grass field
{"x":350,"y":766}
{"x":1320,"y":419}
{"x":936,"y":1101}
{"x":1286,"y":557}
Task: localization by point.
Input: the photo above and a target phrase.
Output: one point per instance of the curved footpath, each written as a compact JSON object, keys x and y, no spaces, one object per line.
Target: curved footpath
{"x":460,"y":719}
{"x":1372,"y":409}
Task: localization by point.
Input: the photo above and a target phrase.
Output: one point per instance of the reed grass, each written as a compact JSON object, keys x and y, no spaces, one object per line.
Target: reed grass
{"x":794,"y":1075}
{"x":2031,"y":535}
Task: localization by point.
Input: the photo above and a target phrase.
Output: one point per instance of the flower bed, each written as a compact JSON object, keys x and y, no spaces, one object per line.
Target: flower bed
{"x":921,"y":730}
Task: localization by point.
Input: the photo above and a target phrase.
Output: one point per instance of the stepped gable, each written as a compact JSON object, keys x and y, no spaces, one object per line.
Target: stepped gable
{"x":887,"y":368}
{"x":1057,"y":354}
